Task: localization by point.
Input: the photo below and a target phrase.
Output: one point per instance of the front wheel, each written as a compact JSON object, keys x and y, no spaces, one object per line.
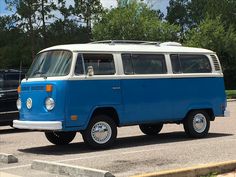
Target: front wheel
{"x":197,"y":124}
{"x":151,"y":129}
{"x":60,"y":138}
{"x":101,"y":132}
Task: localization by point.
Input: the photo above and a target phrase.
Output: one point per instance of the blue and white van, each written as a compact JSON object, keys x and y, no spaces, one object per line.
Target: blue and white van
{"x":96,"y":87}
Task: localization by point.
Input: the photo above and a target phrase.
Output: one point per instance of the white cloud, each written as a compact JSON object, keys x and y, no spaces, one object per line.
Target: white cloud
{"x":109,"y":3}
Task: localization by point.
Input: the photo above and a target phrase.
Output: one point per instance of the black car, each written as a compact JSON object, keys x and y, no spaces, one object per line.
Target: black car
{"x":9,"y":81}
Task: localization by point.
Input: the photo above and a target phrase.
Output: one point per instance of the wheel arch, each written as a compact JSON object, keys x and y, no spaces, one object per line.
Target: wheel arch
{"x":209,"y":111}
{"x":110,"y":111}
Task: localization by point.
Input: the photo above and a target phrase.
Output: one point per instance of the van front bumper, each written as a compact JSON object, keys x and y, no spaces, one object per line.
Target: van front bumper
{"x":38,"y":125}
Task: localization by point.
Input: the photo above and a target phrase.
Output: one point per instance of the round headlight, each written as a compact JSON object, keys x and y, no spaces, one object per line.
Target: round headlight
{"x":18,"y":103}
{"x":49,"y":104}
{"x":29,"y":103}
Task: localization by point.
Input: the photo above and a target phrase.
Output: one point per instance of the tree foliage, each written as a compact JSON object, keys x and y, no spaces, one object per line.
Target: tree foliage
{"x":211,"y":34}
{"x":208,"y":24}
{"x":134,"y":22}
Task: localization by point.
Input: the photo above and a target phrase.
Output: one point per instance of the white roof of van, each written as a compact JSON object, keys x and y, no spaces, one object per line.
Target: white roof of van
{"x":108,"y":47}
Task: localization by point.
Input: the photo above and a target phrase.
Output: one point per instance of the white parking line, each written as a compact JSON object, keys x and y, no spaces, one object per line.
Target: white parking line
{"x":20,"y":166}
{"x":104,"y":155}
{"x":83,"y":158}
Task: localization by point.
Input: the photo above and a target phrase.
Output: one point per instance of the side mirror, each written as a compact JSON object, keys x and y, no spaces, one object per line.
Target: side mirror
{"x":90,"y":71}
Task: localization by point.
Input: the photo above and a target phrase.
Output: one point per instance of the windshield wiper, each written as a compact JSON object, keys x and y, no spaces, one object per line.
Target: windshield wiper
{"x":42,"y":74}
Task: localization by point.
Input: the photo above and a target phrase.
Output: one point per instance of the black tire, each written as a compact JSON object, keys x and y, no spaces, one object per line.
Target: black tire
{"x":151,"y":129}
{"x":60,"y":138}
{"x":109,"y":128}
{"x":190,"y":126}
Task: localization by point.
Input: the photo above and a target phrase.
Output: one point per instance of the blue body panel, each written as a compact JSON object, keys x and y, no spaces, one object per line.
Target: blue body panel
{"x":37,"y":92}
{"x":135,"y":100}
{"x":87,"y":95}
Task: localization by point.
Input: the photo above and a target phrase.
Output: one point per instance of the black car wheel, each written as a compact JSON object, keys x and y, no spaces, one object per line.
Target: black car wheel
{"x":60,"y":138}
{"x":151,"y":129}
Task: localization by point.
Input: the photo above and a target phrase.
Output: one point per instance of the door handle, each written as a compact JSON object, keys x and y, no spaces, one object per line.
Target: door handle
{"x":115,"y":88}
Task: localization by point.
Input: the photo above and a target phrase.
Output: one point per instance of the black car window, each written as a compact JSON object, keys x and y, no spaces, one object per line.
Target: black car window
{"x":12,"y":81}
{"x":1,"y":81}
{"x":12,"y":76}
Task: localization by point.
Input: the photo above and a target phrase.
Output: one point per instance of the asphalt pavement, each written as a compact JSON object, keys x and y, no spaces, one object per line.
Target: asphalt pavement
{"x":133,"y":153}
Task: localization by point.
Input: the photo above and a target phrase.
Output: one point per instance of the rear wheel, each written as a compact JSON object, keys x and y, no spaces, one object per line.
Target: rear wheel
{"x":60,"y":138}
{"x":197,"y":124}
{"x":101,"y":132}
{"x":151,"y":129}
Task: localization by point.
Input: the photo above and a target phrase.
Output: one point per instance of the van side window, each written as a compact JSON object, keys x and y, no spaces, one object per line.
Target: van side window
{"x":79,"y":65}
{"x":103,"y":64}
{"x":127,"y":64}
{"x":176,"y":68}
{"x":144,"y":64}
{"x":190,"y":64}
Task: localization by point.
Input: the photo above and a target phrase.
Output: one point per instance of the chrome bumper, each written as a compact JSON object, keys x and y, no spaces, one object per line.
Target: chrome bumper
{"x":38,"y":125}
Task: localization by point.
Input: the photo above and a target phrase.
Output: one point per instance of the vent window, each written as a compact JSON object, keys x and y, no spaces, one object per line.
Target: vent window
{"x":215,"y":62}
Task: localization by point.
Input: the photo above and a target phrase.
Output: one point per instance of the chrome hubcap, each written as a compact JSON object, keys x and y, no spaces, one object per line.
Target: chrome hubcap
{"x":101,"y":132}
{"x":199,"y":123}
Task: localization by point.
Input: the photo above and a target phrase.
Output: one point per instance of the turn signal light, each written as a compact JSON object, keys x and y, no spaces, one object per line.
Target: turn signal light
{"x":49,"y":88}
{"x":18,"y":89}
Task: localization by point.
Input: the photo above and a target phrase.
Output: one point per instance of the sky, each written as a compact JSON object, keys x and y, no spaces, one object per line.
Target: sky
{"x":157,"y":4}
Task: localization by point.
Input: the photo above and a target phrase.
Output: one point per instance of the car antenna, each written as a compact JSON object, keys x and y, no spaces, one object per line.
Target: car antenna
{"x":20,"y":72}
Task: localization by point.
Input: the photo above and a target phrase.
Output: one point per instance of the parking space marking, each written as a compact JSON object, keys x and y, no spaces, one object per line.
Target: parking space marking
{"x":19,"y":166}
{"x":104,"y":155}
{"x":83,"y":158}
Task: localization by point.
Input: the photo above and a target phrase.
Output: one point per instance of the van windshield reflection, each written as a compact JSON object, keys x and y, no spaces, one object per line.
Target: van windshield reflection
{"x":50,"y":64}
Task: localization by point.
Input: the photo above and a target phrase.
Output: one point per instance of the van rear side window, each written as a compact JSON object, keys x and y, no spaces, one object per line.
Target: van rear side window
{"x":190,"y":64}
{"x":144,"y":64}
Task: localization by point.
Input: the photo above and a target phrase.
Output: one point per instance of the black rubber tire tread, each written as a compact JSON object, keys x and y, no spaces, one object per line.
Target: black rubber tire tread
{"x":60,"y":138}
{"x":151,"y":129}
{"x":188,"y":124}
{"x":86,"y":134}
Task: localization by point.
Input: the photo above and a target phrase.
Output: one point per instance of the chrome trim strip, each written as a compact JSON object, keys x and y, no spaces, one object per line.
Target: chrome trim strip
{"x":38,"y":125}
{"x":9,"y":112}
{"x":11,"y":90}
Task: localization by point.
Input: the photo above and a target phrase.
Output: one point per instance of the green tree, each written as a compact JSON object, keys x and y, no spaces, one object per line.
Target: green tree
{"x":14,"y":49}
{"x":87,"y":11}
{"x":177,"y":13}
{"x":67,"y":32}
{"x":135,"y":21}
{"x":211,"y":34}
{"x":26,"y":12}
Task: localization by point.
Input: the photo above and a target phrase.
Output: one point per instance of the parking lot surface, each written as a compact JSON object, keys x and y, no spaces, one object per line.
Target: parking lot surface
{"x":133,"y":153}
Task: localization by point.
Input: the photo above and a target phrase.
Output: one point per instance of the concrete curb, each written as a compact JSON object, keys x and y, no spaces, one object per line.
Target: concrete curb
{"x":7,"y":158}
{"x":71,"y":170}
{"x":196,"y":171}
{"x":231,"y":100}
{"x":2,"y":174}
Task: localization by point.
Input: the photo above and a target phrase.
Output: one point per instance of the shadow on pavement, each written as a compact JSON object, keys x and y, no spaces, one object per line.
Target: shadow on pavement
{"x":123,"y":142}
{"x":10,"y":130}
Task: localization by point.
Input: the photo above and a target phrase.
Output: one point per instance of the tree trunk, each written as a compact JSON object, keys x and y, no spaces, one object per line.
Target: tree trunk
{"x":44,"y":25}
{"x":32,"y":38}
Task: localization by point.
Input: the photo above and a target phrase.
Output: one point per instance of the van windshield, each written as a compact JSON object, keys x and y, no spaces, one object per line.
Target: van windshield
{"x":51,"y":63}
